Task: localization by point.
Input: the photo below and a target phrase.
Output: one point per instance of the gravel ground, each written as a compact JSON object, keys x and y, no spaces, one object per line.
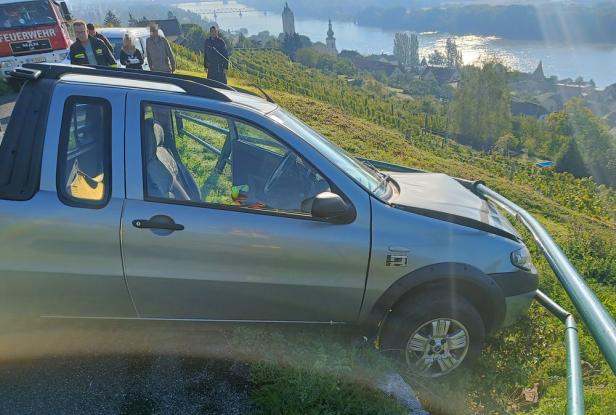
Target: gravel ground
{"x":120,"y":370}
{"x":7,"y":102}
{"x":124,"y":385}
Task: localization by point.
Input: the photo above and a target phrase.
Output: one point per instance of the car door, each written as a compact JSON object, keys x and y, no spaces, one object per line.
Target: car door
{"x":62,"y":256}
{"x":220,"y":249}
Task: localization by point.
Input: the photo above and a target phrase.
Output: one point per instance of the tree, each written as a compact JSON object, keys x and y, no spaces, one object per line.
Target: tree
{"x":314,"y":58}
{"x":406,"y":49}
{"x":290,"y":44}
{"x":481,"y":109}
{"x":506,"y":144}
{"x":195,"y":38}
{"x":454,"y":57}
{"x":596,"y":146}
{"x":242,"y":42}
{"x":414,"y":58}
{"x":111,"y":20}
{"x":436,"y":58}
{"x":570,"y":160}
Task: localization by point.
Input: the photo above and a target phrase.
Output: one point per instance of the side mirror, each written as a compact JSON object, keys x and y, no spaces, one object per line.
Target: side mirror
{"x":332,"y":208}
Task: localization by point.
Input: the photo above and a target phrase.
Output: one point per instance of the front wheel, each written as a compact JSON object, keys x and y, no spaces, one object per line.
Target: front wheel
{"x":435,"y":333}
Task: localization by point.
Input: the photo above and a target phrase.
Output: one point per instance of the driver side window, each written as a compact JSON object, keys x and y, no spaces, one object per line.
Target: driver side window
{"x":197,"y":157}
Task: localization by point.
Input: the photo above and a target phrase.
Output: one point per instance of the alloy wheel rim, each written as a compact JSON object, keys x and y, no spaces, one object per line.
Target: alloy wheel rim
{"x":437,"y":347}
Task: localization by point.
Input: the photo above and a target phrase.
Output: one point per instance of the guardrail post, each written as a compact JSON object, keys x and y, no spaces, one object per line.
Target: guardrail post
{"x":575,"y":386}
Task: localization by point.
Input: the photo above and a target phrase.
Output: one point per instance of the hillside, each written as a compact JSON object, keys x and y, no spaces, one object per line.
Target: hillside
{"x":581,"y":215}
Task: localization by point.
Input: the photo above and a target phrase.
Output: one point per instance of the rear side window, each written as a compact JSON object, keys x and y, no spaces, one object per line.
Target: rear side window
{"x":21,"y":148}
{"x":84,"y":158}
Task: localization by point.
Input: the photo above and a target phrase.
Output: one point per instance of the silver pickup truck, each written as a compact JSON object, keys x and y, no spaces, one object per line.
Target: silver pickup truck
{"x":148,"y":196}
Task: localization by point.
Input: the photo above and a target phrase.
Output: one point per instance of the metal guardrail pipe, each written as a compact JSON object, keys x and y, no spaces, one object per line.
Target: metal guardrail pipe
{"x":575,"y":387}
{"x":204,"y":123}
{"x":599,"y":322}
{"x":200,"y":141}
{"x":253,"y":140}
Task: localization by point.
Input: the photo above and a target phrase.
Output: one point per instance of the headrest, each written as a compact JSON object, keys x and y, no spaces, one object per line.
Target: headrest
{"x":159,"y":133}
{"x":155,"y":137}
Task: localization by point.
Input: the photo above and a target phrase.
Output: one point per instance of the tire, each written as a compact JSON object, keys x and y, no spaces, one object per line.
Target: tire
{"x":436,"y":333}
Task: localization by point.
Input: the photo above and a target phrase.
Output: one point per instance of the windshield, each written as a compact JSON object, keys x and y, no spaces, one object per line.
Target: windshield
{"x":18,"y":15}
{"x":117,"y":44}
{"x":367,"y":177}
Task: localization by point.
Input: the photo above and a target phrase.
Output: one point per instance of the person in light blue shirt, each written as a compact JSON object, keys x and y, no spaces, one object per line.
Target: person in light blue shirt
{"x":90,"y":53}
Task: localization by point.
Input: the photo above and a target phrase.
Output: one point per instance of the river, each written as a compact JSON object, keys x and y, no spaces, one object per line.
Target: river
{"x":591,"y":61}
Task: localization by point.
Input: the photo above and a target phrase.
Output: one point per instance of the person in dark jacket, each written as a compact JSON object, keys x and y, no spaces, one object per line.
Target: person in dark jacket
{"x":216,"y":57}
{"x":92,"y":32}
{"x":130,"y":56}
{"x":88,"y":50}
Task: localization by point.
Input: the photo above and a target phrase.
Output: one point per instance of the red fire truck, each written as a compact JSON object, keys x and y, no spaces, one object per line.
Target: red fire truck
{"x":32,"y":31}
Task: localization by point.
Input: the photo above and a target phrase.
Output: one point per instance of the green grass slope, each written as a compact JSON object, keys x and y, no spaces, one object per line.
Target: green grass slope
{"x":580,"y":215}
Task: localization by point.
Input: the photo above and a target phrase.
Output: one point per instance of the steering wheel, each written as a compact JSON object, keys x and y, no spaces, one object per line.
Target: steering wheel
{"x":284,"y":164}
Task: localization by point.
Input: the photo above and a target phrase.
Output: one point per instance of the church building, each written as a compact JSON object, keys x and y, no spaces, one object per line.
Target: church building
{"x":330,"y":42}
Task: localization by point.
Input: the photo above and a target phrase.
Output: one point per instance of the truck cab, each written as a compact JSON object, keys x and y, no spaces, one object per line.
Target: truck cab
{"x":32,"y":31}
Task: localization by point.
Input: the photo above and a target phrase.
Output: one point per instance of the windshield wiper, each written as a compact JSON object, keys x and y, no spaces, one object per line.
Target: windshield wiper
{"x":383,"y":176}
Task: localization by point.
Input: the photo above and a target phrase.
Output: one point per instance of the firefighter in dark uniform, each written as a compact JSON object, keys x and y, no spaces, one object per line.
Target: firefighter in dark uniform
{"x":216,"y":57}
{"x":88,"y":50}
{"x":92,"y":32}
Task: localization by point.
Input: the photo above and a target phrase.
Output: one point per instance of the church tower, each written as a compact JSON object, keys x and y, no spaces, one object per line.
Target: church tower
{"x":288,"y":20}
{"x":330,"y":42}
{"x":538,"y":74}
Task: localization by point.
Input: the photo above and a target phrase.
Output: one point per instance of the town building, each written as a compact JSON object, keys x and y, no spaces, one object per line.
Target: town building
{"x":442,"y":75}
{"x":367,"y":64}
{"x":288,"y":20}
{"x":538,"y":74}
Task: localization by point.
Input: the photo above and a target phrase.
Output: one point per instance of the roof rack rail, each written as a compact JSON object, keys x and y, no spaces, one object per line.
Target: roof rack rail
{"x":191,"y":87}
{"x":199,"y":80}
{"x":203,"y":81}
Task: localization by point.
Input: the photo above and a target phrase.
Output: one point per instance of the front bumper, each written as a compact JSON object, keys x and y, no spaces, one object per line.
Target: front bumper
{"x":7,"y":64}
{"x":516,"y":307}
{"x":519,"y":289}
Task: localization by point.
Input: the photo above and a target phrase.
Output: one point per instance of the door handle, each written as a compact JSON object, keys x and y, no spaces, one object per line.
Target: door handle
{"x":158,"y":222}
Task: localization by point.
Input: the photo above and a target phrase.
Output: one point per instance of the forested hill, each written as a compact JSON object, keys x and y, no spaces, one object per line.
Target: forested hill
{"x":371,"y":122}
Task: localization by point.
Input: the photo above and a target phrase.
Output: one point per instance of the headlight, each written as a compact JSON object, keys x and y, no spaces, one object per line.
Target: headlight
{"x":521,"y":259}
{"x":6,"y":64}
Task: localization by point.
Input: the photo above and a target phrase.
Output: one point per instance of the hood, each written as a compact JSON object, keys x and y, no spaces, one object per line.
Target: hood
{"x":439,"y":196}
